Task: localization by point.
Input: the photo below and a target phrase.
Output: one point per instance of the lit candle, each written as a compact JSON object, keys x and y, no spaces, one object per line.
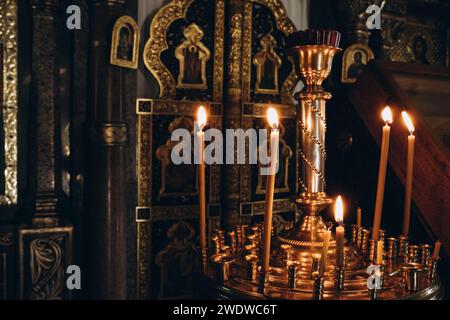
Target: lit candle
{"x":380,"y":251}
{"x":387,"y":117}
{"x":272,"y":117}
{"x":324,"y":256}
{"x":409,"y":173}
{"x":201,"y":120}
{"x":437,"y":248}
{"x":340,"y":232}
{"x":358,"y":217}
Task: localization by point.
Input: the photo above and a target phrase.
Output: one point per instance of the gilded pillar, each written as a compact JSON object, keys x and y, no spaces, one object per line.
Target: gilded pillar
{"x":233,"y":108}
{"x":105,"y":178}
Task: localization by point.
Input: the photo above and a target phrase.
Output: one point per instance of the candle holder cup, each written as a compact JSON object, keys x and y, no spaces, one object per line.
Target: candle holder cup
{"x":425,"y":255}
{"x":292,"y":274}
{"x":392,"y":251}
{"x":318,"y":287}
{"x":432,"y":269}
{"x":412,"y":276}
{"x":403,"y":243}
{"x":263,"y":281}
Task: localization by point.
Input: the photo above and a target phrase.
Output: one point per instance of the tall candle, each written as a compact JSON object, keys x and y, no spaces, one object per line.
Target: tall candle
{"x":324,"y":256}
{"x":340,"y":232}
{"x":387,"y":117}
{"x":409,"y":173}
{"x":272,"y":117}
{"x":358,"y":217}
{"x":201,"y":119}
{"x":380,"y":252}
{"x":437,"y":248}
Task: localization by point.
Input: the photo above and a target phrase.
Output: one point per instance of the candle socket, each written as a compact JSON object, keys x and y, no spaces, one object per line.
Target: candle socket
{"x":339,"y":278}
{"x":412,"y":276}
{"x":354,"y":232}
{"x":413,"y":254}
{"x":425,"y":255}
{"x":365,"y":235}
{"x":372,"y":252}
{"x":292,"y":274}
{"x":287,"y":254}
{"x":382,"y":235}
{"x":204,"y":260}
{"x":252,"y":267}
{"x":392,"y":251}
{"x":403,"y":244}
{"x":232,"y":241}
{"x":222,"y":269}
{"x":381,"y":268}
{"x":315,"y":264}
{"x":318,"y":287}
{"x":263,"y":281}
{"x":374,"y":294}
{"x":432,"y":269}
{"x":239,"y":237}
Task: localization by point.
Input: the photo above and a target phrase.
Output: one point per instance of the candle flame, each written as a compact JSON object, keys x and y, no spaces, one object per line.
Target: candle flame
{"x":272,"y":117}
{"x":387,"y":115}
{"x":339,"y":210}
{"x":201,"y":117}
{"x":408,"y":122}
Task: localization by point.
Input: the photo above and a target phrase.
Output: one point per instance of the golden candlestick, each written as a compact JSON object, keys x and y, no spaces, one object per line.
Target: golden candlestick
{"x":315,"y":62}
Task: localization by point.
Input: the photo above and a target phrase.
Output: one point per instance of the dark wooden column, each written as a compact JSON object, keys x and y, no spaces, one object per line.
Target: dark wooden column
{"x":105,"y":179}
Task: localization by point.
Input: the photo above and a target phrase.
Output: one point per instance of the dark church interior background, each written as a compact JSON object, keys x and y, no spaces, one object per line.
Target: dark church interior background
{"x":86,"y":117}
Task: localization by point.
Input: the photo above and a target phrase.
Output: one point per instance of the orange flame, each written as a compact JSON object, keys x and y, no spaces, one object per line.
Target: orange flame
{"x":272,"y":117}
{"x":387,"y":115}
{"x":408,"y":122}
{"x":201,"y":117}
{"x":339,"y":210}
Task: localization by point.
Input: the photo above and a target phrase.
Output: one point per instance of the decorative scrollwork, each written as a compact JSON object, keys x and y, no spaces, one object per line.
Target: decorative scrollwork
{"x":157,"y":43}
{"x":219,"y":50}
{"x":47,"y":274}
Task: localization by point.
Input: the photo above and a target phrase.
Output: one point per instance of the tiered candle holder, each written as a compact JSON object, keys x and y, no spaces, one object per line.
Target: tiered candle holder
{"x":294,"y":253}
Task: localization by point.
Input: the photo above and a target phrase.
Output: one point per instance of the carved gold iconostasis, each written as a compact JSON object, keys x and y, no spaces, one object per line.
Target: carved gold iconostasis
{"x":8,"y":102}
{"x":8,"y":136}
{"x":196,"y":62}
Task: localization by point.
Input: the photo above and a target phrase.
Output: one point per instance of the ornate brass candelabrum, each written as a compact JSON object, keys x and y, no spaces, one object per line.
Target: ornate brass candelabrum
{"x":295,"y":254}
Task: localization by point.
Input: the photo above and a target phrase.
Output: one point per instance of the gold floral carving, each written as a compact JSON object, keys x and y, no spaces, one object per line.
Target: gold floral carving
{"x":219,"y":50}
{"x":234,"y":83}
{"x":47,"y":274}
{"x":8,"y":36}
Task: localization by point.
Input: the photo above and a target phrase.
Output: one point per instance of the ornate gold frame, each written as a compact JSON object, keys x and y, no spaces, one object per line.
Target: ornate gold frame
{"x":8,"y":36}
{"x":157,"y":43}
{"x":179,"y":55}
{"x":350,"y":51}
{"x":272,"y":42}
{"x":286,"y":26}
{"x":121,"y":22}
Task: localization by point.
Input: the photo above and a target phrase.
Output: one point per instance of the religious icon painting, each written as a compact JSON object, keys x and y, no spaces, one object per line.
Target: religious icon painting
{"x":125,"y":43}
{"x":419,"y":45}
{"x":192,"y":55}
{"x":354,"y":61}
{"x":267,"y":63}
